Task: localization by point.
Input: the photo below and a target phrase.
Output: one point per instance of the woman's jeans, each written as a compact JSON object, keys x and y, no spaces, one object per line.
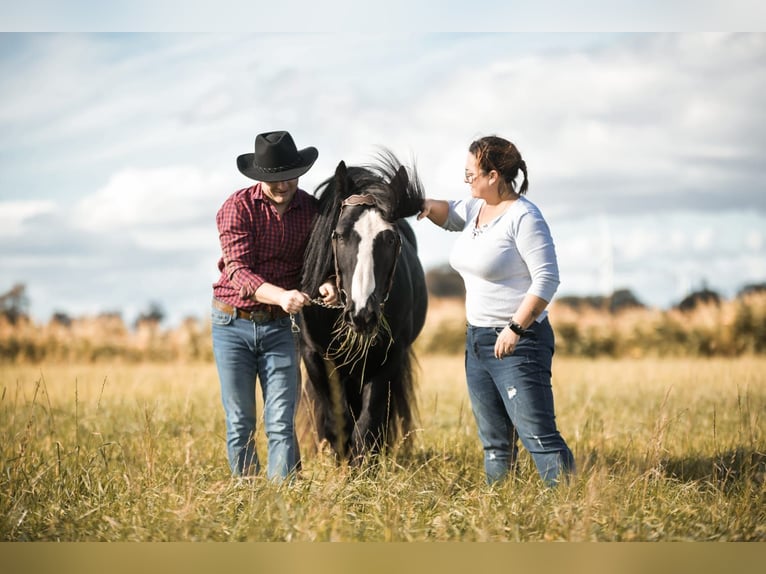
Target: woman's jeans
{"x":512,"y":399}
{"x":243,"y":350}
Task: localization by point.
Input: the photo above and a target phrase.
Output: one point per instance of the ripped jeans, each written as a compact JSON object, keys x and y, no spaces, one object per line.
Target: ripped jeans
{"x":512,"y":399}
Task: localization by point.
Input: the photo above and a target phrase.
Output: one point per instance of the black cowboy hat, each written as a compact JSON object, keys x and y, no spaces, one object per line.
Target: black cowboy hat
{"x":276,"y":158}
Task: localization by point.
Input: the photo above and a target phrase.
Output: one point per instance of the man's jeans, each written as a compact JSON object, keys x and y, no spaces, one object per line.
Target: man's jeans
{"x":243,"y":350}
{"x":512,"y":399}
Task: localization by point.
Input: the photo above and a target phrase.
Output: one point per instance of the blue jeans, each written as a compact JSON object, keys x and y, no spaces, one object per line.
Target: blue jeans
{"x":512,"y":399}
{"x":243,"y":351}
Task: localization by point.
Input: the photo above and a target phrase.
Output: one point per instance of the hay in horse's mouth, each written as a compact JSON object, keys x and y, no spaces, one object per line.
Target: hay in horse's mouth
{"x":349,"y":346}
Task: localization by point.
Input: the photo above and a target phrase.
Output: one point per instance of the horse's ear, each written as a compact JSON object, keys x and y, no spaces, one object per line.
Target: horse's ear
{"x":398,"y":185}
{"x":341,"y":179}
{"x":401,"y":180}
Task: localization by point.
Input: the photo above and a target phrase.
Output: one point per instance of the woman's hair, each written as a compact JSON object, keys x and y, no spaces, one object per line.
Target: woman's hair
{"x":493,"y":152}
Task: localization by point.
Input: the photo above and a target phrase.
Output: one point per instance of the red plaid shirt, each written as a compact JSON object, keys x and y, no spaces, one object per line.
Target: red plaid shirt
{"x":259,"y":246}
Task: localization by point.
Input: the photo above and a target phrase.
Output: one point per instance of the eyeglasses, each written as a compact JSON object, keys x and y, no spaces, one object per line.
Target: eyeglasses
{"x":470,"y":177}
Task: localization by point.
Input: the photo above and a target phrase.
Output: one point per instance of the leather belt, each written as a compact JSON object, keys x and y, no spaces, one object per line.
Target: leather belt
{"x":268,"y":313}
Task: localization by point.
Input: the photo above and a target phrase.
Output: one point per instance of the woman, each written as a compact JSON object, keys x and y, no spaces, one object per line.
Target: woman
{"x":506,"y":257}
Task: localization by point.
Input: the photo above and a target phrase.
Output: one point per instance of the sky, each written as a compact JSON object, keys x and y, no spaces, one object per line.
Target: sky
{"x":644,"y":150}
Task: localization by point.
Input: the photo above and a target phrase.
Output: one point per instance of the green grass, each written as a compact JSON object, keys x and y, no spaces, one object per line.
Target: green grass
{"x":667,"y":449}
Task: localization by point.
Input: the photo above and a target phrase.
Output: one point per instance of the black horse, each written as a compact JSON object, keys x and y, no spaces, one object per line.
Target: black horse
{"x":358,"y":356}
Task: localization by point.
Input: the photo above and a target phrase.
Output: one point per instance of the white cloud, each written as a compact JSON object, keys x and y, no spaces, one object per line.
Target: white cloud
{"x":15,"y":215}
{"x":651,"y":117}
{"x":754,"y":240}
{"x":703,"y":239}
{"x":662,"y":134}
{"x":134,"y":199}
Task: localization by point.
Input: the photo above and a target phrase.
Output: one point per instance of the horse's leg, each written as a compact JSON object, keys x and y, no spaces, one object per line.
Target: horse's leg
{"x":337,"y":412}
{"x":372,"y":425}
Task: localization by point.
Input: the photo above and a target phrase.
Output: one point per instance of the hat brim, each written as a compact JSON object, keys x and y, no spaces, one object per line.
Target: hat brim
{"x":308,"y":157}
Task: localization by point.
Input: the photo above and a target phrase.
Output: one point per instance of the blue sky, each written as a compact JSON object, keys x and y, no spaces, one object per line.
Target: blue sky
{"x":645,"y":150}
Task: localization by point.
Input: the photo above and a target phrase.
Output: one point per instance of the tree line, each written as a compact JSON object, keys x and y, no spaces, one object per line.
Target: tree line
{"x":442,"y":281}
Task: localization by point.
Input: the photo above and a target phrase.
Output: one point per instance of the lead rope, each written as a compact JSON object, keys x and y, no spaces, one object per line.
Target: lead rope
{"x":295,"y":328}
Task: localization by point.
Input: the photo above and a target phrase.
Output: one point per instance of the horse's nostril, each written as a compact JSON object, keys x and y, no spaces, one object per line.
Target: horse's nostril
{"x":362,"y":322}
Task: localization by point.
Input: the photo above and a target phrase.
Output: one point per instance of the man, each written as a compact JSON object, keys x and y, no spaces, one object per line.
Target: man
{"x":264,"y":230}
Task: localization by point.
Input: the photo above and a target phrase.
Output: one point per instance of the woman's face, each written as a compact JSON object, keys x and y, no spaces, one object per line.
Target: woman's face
{"x":475,"y":177}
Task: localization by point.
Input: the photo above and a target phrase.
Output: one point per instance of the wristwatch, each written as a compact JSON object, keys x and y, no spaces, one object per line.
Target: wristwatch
{"x":515,"y":327}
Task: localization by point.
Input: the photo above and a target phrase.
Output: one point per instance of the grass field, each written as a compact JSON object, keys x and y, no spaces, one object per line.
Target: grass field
{"x":667,"y":449}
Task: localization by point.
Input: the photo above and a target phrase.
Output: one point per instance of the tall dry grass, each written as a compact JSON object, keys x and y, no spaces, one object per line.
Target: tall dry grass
{"x":103,"y":339}
{"x":734,"y":328}
{"x":667,"y":449}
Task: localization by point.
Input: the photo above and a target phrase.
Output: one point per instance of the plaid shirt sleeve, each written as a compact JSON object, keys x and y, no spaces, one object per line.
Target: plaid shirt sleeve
{"x":238,"y":247}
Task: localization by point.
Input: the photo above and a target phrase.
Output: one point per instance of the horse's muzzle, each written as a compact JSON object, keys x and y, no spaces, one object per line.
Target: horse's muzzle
{"x":364,"y":321}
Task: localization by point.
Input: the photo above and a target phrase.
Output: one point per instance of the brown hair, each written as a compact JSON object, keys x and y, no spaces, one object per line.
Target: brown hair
{"x":493,"y":152}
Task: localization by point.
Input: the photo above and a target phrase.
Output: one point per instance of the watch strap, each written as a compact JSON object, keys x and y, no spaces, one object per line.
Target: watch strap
{"x":515,"y":327}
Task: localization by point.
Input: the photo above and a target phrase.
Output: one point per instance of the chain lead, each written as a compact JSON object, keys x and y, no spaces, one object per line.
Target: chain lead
{"x":321,"y":303}
{"x":316,"y":301}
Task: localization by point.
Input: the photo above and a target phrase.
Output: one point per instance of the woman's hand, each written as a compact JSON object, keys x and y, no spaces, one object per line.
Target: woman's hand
{"x":436,"y":210}
{"x":506,"y":343}
{"x":426,"y":211}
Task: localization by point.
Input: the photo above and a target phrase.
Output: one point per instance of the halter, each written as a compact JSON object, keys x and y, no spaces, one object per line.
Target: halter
{"x":358,"y":199}
{"x":362,"y":199}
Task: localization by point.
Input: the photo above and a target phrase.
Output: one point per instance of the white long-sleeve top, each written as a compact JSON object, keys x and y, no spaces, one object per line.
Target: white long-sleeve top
{"x":503,"y":260}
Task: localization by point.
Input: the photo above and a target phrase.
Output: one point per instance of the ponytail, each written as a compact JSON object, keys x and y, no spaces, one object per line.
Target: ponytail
{"x":525,"y":184}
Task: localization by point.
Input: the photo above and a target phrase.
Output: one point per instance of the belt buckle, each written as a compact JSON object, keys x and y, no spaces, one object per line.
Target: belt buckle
{"x":260,"y":316}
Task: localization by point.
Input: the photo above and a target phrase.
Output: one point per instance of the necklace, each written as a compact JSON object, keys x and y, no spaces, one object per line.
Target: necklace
{"x":493,"y":214}
{"x":478,"y":229}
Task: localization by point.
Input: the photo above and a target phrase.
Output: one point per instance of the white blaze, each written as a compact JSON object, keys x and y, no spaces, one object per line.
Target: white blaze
{"x":368,"y":226}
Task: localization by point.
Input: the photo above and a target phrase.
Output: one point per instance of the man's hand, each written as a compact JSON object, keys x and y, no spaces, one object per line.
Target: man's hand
{"x":328,"y":292}
{"x":292,"y":301}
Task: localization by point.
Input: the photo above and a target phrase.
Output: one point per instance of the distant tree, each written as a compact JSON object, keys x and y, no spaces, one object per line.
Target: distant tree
{"x":752,"y":288}
{"x":624,"y":299}
{"x":584,"y":302}
{"x":154,"y":314}
{"x":704,"y":296}
{"x":14,"y":304}
{"x":618,"y":301}
{"x":443,"y":281}
{"x":61,"y":318}
{"x":115,"y":315}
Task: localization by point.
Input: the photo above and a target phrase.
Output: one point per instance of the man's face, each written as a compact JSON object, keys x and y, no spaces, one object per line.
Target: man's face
{"x":280,"y":193}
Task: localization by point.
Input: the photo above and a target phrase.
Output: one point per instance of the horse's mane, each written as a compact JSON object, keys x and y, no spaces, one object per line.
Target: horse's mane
{"x":373,"y":179}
